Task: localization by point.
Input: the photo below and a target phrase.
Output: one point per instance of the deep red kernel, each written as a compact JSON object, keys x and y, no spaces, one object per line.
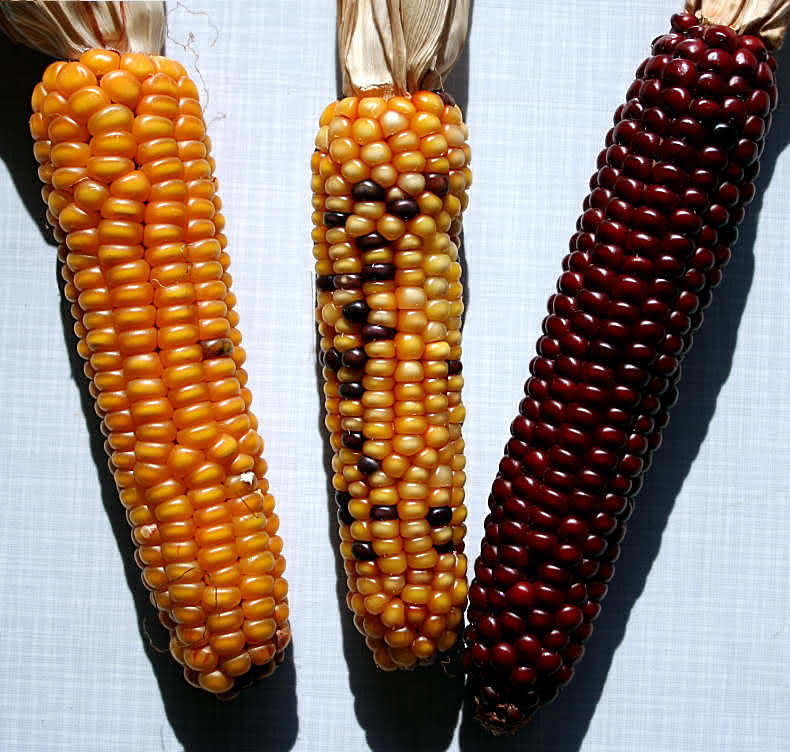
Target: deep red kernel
{"x":556,"y":639}
{"x":528,"y":647}
{"x":676,"y":99}
{"x":548,"y":661}
{"x":690,"y":49}
{"x":721,"y":36}
{"x":655,"y":231}
{"x":512,"y":623}
{"x":502,"y":656}
{"x":679,"y":72}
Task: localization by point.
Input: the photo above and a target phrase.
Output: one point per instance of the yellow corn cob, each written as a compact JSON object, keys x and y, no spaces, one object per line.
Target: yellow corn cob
{"x":389,"y":185}
{"x":131,"y":196}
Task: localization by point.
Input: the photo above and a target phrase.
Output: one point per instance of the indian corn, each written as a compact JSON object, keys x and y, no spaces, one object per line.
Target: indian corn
{"x":669,"y":192}
{"x":389,"y":184}
{"x":132,"y":199}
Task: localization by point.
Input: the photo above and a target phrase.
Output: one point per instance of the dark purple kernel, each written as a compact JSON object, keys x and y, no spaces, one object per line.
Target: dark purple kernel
{"x":345,"y":517}
{"x":363,"y":551}
{"x":454,"y":367}
{"x":378,"y":272}
{"x":368,"y":190}
{"x":332,"y":359}
{"x":371,"y":241}
{"x":335,"y":219}
{"x":374,"y":332}
{"x":439,"y":516}
{"x":325,"y":282}
{"x":352,"y":440}
{"x":354,"y":358}
{"x":351,"y":390}
{"x":382,"y":512}
{"x":445,"y":548}
{"x":367,"y":465}
{"x":447,"y":98}
{"x":437,"y":184}
{"x":356,"y":312}
{"x":348,"y":281}
{"x":405,"y":208}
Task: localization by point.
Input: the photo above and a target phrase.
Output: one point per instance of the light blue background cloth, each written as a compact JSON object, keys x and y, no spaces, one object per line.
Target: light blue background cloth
{"x":692,"y":651}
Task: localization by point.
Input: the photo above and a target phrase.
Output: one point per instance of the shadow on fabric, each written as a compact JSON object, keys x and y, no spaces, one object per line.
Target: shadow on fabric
{"x":264,"y":715}
{"x":24,"y":68}
{"x":562,"y":726}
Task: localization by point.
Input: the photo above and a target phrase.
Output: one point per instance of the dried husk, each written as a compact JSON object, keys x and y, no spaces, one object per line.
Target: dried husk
{"x":767,"y":19}
{"x":64,"y":30}
{"x":396,"y":46}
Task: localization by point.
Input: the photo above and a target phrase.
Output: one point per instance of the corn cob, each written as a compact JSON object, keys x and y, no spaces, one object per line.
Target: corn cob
{"x":132,"y":200}
{"x":389,"y":185}
{"x":669,"y":192}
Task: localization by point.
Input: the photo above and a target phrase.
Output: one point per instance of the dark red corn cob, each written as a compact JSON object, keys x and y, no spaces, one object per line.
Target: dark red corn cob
{"x":658,"y":225}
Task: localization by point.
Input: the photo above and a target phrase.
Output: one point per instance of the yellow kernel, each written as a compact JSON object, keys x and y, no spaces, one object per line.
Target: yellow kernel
{"x":357,"y":226}
{"x":338,"y":127}
{"x":408,"y":445}
{"x":404,"y":141}
{"x":377,"y":602}
{"x":114,"y":143}
{"x":336,"y":186}
{"x":168,"y":67}
{"x":412,"y":183}
{"x":416,"y":594}
{"x":423,"y":226}
{"x":109,"y":168}
{"x":392,"y":565}
{"x":322,"y":138}
{"x":371,"y":107}
{"x":410,"y":298}
{"x":69,"y":154}
{"x":343,"y":149}
{"x":425,"y":123}
{"x":328,"y":113}
{"x":409,"y":161}
{"x":394,"y":614}
{"x":85,"y":102}
{"x":121,"y":87}
{"x":414,"y":528}
{"x":434,"y":145}
{"x":138,"y":65}
{"x":354,"y":170}
{"x":54,"y":104}
{"x":428,"y":101}
{"x":72,"y":77}
{"x":365,"y":131}
{"x":148,"y":127}
{"x":392,"y":122}
{"x":377,"y":153}
{"x":385,"y":175}
{"x":437,"y":164}
{"x":100,"y":61}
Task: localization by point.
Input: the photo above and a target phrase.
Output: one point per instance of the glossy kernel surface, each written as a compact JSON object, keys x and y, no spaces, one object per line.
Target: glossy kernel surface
{"x":145,"y":266}
{"x":386,"y":237}
{"x":656,"y":230}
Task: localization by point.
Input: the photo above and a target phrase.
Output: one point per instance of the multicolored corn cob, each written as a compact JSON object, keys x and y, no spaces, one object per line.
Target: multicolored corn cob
{"x":670,"y":190}
{"x":131,"y":196}
{"x":389,"y":185}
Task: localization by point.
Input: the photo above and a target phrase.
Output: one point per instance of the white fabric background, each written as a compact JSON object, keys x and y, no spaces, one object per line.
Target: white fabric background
{"x":693,"y":649}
